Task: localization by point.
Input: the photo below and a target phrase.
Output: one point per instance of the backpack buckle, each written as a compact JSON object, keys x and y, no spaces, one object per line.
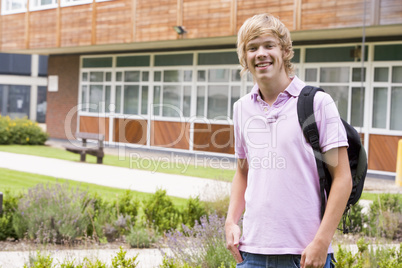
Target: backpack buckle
{"x":313,"y":138}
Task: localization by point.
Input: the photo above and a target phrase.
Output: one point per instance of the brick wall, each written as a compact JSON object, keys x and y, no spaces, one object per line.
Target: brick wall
{"x":66,"y":98}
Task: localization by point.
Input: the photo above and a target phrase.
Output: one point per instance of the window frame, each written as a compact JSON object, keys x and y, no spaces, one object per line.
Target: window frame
{"x":388,"y":85}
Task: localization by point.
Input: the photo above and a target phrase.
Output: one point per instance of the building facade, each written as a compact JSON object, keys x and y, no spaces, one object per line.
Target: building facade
{"x":120,"y":68}
{"x":23,"y":86}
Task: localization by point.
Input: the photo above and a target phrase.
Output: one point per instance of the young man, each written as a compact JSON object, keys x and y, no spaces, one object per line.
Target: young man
{"x":276,"y":180}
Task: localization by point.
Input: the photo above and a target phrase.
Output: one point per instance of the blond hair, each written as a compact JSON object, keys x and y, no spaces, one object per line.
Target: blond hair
{"x":265,"y":24}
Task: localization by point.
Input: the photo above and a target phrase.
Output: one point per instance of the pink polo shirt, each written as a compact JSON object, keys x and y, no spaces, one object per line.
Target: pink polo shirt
{"x":282,"y":212}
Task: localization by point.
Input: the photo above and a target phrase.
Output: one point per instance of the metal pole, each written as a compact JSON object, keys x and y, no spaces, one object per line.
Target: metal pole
{"x":1,"y":202}
{"x":398,"y":177}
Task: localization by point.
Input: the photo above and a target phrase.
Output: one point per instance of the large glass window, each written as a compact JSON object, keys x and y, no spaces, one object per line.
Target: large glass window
{"x":172,"y":93}
{"x":41,"y":106}
{"x":344,"y":84}
{"x":13,"y":6}
{"x":15,"y":100}
{"x":387,"y":97}
{"x":37,"y":4}
{"x":95,"y":87}
{"x":131,"y":95}
{"x":217,"y":91}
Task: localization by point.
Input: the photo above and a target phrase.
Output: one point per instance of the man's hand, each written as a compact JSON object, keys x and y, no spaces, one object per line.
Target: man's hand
{"x":233,"y":232}
{"x":314,"y":255}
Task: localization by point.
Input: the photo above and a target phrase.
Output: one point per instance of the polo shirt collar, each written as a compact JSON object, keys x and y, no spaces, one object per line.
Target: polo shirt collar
{"x":293,"y":89}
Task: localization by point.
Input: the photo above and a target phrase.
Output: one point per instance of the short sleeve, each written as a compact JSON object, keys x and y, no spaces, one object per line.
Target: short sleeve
{"x":330,"y":127}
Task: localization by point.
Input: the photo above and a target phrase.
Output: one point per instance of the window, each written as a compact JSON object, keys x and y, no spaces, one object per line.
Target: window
{"x":15,"y":100}
{"x":13,"y":6}
{"x":41,"y":105}
{"x":172,"y":92}
{"x":95,"y":91}
{"x":15,"y":64}
{"x":344,"y":84}
{"x":131,"y":95}
{"x":387,"y":98}
{"x":217,"y":91}
{"x":40,"y":4}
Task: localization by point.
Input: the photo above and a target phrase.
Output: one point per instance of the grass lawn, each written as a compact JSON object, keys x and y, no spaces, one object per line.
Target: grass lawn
{"x":16,"y":181}
{"x":113,"y":160}
{"x":374,"y":196}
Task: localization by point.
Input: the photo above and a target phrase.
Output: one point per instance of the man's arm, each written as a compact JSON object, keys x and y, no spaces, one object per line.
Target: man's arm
{"x":236,"y":208}
{"x":338,"y":165}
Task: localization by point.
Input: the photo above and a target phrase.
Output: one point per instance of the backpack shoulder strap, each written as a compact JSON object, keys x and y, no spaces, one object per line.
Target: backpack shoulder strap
{"x":305,"y":111}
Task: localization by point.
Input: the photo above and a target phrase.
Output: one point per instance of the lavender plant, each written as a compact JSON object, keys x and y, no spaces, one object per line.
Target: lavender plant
{"x":201,"y":246}
{"x":52,"y":213}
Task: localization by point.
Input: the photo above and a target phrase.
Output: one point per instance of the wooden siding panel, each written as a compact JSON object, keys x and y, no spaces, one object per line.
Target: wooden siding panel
{"x":382,"y":152}
{"x":13,"y":31}
{"x":42,"y":28}
{"x":95,"y":125}
{"x":170,"y":134}
{"x":317,"y":14}
{"x":76,"y":25}
{"x":390,"y":12}
{"x":281,"y":9}
{"x":130,"y":131}
{"x":113,"y":22}
{"x":206,"y":18}
{"x":214,"y":138}
{"x":155,"y":19}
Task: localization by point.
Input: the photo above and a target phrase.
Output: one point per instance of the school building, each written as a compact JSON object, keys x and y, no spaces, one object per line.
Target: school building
{"x":164,"y":74}
{"x":23,"y":86}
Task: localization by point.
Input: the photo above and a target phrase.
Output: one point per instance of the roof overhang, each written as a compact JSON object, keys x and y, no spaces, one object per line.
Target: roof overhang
{"x":298,"y":37}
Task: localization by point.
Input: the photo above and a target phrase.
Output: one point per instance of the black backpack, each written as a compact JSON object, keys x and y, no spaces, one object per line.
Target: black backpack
{"x":356,"y":152}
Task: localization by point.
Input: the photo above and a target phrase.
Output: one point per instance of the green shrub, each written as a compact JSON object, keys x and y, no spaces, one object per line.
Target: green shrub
{"x":193,"y":211}
{"x":384,"y":217}
{"x":120,"y":261}
{"x":355,"y":219}
{"x":142,"y":237}
{"x":21,"y":131}
{"x":126,"y":205}
{"x":40,"y":261}
{"x":160,"y":212}
{"x":10,"y":204}
{"x":367,"y":256}
{"x":112,"y":219}
{"x":52,"y":213}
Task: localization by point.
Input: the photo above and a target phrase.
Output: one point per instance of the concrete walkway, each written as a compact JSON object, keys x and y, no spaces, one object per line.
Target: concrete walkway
{"x":118,"y":177}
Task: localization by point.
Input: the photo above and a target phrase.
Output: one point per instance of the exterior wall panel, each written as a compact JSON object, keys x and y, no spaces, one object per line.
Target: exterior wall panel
{"x":130,"y":131}
{"x":170,"y":134}
{"x":95,"y":125}
{"x":113,"y":22}
{"x":42,"y":29}
{"x":391,"y":12}
{"x":155,"y":19}
{"x":282,"y":9}
{"x":76,"y":26}
{"x":214,"y":138}
{"x":317,"y":14}
{"x":207,"y":18}
{"x":382,"y":152}
{"x":60,"y":103}
{"x":13,"y":32}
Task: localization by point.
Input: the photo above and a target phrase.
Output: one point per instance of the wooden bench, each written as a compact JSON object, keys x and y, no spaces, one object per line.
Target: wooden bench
{"x":83,"y":150}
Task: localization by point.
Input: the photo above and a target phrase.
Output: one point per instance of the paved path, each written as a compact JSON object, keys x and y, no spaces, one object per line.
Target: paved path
{"x":119,"y":177}
{"x":147,"y":258}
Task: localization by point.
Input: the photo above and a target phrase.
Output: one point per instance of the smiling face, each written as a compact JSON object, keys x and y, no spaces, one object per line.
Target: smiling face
{"x":264,"y":57}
